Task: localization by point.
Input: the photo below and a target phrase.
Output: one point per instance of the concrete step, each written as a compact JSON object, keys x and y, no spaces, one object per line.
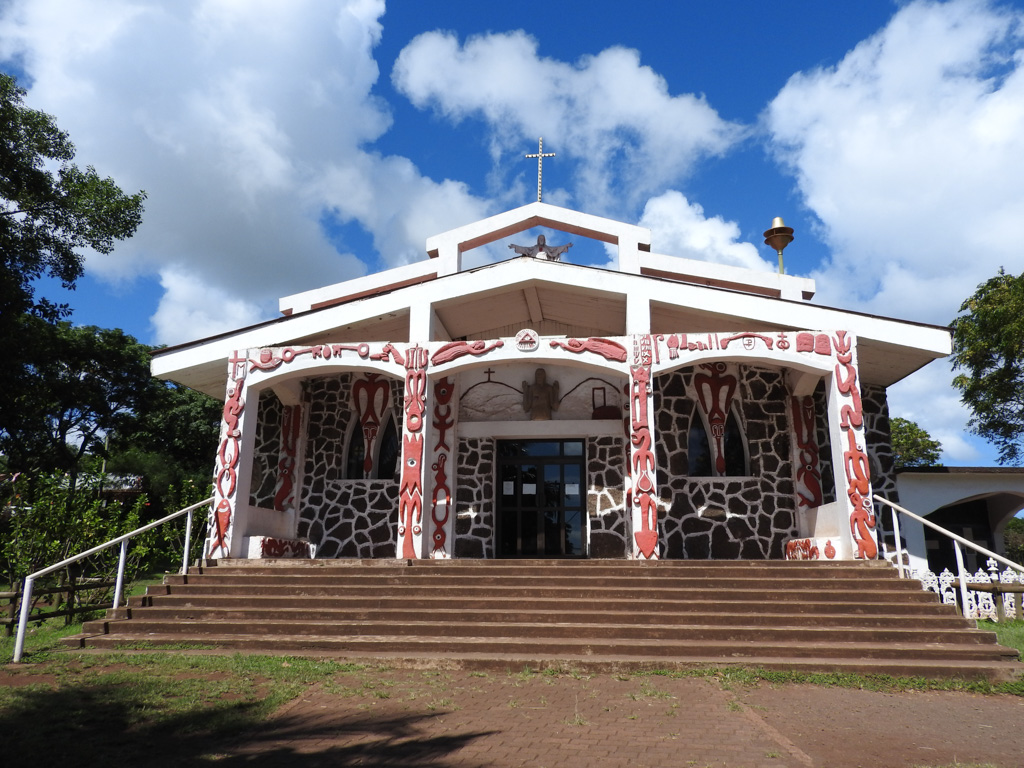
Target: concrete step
{"x":556,"y":646}
{"x":795,"y":615}
{"x":425,"y":604}
{"x":597,"y":632}
{"x":254,"y":610}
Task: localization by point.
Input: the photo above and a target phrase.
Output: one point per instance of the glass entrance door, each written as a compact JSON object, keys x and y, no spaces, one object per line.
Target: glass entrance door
{"x":541,"y":497}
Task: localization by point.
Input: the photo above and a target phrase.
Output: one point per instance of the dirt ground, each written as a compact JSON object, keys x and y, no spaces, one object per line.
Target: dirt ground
{"x":406,"y":717}
{"x":462,"y":719}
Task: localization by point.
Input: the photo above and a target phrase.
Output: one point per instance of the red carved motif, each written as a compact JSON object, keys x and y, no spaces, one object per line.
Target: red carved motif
{"x":749,"y":340}
{"x":855,"y":458}
{"x":226,"y":477}
{"x":457,"y":349}
{"x":444,"y":390}
{"x":819,"y":344}
{"x":808,"y":476}
{"x":715,"y":393}
{"x":410,"y":491}
{"x":371,"y":395}
{"x":643,"y":464}
{"x":673,"y":346}
{"x":802,"y":549}
{"x":271,"y":547}
{"x":271,"y":359}
{"x":291,"y":421}
{"x":606,"y":348}
{"x":830,"y":550}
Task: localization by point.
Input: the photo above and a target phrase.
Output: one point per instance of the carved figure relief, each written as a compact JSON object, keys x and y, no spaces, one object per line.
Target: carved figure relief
{"x":541,"y":397}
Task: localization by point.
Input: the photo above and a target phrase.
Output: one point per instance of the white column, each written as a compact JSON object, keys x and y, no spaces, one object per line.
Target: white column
{"x":233,"y":472}
{"x":642,"y":478}
{"x":442,"y":475}
{"x":414,"y":485}
{"x":850,"y":464}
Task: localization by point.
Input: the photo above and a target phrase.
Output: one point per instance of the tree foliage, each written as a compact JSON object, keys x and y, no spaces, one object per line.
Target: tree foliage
{"x":171,"y":441}
{"x":912,"y":446}
{"x":1013,"y":537}
{"x":988,"y":347}
{"x":40,"y":524}
{"x":49,"y":208}
{"x":72,"y":387}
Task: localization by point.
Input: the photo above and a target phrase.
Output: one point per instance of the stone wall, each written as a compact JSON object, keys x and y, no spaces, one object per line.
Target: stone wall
{"x":342,"y":517}
{"x":474,"y":498}
{"x":266,"y":453}
{"x":726,"y":518}
{"x":606,"y":466}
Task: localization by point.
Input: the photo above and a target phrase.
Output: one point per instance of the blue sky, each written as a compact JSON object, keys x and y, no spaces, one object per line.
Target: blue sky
{"x":285,"y":146}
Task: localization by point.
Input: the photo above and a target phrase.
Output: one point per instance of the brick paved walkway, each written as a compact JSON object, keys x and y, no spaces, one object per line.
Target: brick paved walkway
{"x":414,"y":718}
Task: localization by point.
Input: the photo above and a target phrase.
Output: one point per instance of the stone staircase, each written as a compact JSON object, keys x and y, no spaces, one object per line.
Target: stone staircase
{"x":594,"y":614}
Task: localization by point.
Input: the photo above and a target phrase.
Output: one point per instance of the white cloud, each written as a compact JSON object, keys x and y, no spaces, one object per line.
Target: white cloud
{"x":928,"y":398}
{"x":205,"y":310}
{"x":627,"y":136}
{"x":910,"y":151}
{"x":237,"y":118}
{"x":679,"y":228}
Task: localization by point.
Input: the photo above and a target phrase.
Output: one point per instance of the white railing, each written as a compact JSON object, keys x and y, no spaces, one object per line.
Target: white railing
{"x":980,"y":592}
{"x":26,"y":594}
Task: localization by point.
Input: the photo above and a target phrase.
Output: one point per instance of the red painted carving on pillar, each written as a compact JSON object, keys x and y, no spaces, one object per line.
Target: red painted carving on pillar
{"x":226,"y":477}
{"x":606,"y":348}
{"x":855,"y":458}
{"x":643,"y":464}
{"x":371,"y":395}
{"x":457,"y":349}
{"x":802,"y":549}
{"x":715,"y":392}
{"x":441,"y":497}
{"x":291,"y":421}
{"x":808,"y":476}
{"x":410,"y":491}
{"x":271,"y":547}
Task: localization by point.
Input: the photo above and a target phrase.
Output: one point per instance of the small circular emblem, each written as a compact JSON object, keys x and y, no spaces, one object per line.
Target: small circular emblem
{"x":527,"y":340}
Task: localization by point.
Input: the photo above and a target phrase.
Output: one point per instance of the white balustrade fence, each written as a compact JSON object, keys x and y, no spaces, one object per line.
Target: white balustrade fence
{"x":991,"y":595}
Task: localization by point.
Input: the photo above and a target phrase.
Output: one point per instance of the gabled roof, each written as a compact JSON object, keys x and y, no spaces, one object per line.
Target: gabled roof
{"x":556,"y":299}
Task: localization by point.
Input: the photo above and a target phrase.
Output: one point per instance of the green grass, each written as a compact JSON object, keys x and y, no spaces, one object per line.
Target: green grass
{"x":1008,"y":633}
{"x":168,"y":707}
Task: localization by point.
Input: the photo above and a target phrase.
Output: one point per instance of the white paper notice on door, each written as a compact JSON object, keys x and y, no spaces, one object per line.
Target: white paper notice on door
{"x":572,"y":489}
{"x":529,"y":489}
{"x":508,"y":488}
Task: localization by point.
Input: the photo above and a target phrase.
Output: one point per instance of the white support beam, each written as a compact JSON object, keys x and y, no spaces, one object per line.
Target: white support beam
{"x":533,"y":304}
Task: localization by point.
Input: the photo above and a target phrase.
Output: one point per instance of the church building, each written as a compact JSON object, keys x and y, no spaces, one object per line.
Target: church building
{"x":536,"y":408}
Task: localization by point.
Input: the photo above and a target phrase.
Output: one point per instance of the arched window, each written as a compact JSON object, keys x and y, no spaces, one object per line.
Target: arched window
{"x":735,"y":448}
{"x":389,"y":449}
{"x":355,"y":454}
{"x":698,"y":446}
{"x":699,"y":451}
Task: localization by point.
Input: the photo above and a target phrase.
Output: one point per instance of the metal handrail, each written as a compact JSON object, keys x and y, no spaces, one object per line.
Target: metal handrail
{"x":26,"y":604}
{"x":957,"y":541}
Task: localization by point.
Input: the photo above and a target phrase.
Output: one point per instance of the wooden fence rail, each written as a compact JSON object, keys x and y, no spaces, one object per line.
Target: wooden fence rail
{"x":72,"y":590}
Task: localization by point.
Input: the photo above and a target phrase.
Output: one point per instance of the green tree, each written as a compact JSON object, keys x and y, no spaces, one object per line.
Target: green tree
{"x":912,"y":446}
{"x":988,"y":347}
{"x":171,"y":441}
{"x":74,"y":386}
{"x":51,"y":212}
{"x":49,"y":208}
{"x":1013,"y":536}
